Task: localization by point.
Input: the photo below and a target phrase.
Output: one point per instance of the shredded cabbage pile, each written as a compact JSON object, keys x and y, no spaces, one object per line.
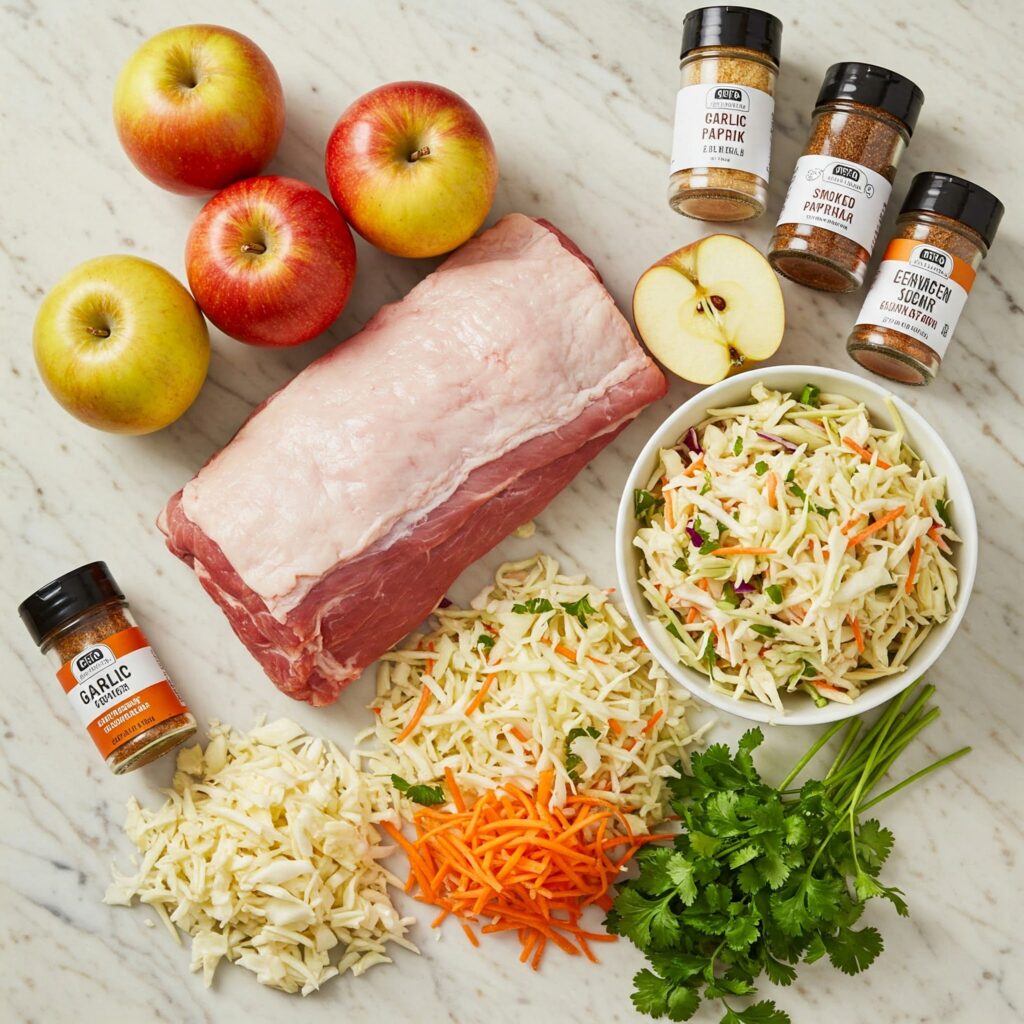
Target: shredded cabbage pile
{"x":265,"y":853}
{"x":835,"y":604}
{"x":572,"y":689}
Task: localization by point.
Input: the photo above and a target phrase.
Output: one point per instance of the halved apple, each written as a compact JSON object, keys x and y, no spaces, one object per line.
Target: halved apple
{"x":708,"y":309}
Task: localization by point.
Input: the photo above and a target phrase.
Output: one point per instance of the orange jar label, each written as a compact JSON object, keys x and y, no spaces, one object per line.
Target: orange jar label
{"x":936,"y":261}
{"x":119,"y":689}
{"x":919,"y":290}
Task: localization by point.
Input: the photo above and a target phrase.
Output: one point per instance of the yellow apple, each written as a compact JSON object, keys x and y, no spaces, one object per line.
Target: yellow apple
{"x":710,"y":308}
{"x":122,"y":345}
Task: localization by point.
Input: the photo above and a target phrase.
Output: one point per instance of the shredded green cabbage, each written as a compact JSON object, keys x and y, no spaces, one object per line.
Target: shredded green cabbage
{"x":762,"y":625}
{"x":571,"y":688}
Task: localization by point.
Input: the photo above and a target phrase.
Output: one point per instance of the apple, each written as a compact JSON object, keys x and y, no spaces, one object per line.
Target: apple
{"x":710,"y":308}
{"x":412,"y":168}
{"x":271,"y":261}
{"x":121,"y":345}
{"x":198,"y":107}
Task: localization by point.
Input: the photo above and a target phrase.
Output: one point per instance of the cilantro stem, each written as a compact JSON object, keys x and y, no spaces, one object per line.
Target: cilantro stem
{"x":809,"y":756}
{"x":917,"y":775}
{"x":854,"y":727}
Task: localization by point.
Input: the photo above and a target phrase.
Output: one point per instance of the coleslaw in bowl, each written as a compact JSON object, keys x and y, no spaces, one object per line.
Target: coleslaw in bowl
{"x":796,"y":544}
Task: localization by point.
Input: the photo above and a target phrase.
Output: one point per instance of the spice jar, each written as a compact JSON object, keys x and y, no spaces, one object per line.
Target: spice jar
{"x":862,"y":122}
{"x":722,"y":138}
{"x":945,"y":228}
{"x":113,"y":679}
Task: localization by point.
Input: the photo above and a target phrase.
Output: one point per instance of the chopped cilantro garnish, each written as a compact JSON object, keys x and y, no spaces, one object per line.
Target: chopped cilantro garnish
{"x":645,"y":504}
{"x":429,"y":796}
{"x":707,"y":482}
{"x":729,"y":596}
{"x":573,"y":761}
{"x":581,"y":609}
{"x":761,"y":467}
{"x":534,"y":606}
{"x":485,"y":640}
{"x":681,"y":564}
{"x":942,"y":507}
{"x":708,"y":656}
{"x":774,"y":591}
{"x":737,"y":446}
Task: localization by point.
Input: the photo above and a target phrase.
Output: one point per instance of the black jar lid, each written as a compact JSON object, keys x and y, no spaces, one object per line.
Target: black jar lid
{"x":956,"y":198}
{"x":873,"y":86}
{"x":68,"y":596}
{"x":733,"y":26}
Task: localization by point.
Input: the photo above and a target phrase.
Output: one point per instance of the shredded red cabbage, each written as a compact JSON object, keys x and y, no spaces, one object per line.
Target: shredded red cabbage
{"x":788,"y":445}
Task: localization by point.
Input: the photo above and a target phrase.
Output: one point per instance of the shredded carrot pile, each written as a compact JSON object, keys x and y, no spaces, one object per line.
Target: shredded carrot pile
{"x":512,"y":863}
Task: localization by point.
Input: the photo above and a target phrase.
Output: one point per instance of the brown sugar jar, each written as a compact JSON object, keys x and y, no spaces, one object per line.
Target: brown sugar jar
{"x":862,"y":122}
{"x":722,"y":134}
{"x":116,"y":685}
{"x":945,"y":228}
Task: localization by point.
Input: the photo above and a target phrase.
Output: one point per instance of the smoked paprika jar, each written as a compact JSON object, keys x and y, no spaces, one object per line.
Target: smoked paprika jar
{"x":863,"y":120}
{"x":113,"y":679}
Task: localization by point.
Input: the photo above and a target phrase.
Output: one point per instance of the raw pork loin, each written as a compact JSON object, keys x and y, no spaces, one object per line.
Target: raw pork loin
{"x":338,"y":516}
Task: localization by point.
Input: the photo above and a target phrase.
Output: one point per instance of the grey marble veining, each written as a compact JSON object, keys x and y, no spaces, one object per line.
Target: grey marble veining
{"x":579,"y":97}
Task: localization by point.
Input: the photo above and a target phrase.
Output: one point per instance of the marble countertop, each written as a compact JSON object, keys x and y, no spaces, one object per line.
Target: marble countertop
{"x":579,"y":97}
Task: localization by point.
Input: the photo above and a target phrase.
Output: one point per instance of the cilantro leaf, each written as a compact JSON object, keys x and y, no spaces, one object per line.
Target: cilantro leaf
{"x":534,"y":606}
{"x":681,"y":564}
{"x":679,"y":871}
{"x":650,"y":993}
{"x":635,"y":915}
{"x":707,"y":482}
{"x":581,"y":609}
{"x":874,"y":844}
{"x":778,"y":972}
{"x":708,"y":656}
{"x":645,"y":504}
{"x":682,"y":1003}
{"x":737,"y":447}
{"x":760,"y":467}
{"x":774,"y":591}
{"x":485,"y":640}
{"x":942,"y":507}
{"x":428,"y":796}
{"x":853,"y":951}
{"x":741,"y":932}
{"x":764,"y":1012}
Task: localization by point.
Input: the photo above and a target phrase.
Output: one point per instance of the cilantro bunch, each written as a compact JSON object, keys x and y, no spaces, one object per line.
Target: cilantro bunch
{"x":763,"y":878}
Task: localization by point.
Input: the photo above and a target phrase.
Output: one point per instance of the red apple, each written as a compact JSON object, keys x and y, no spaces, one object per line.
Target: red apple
{"x":198,"y":107}
{"x":413,"y":168}
{"x":271,"y":261}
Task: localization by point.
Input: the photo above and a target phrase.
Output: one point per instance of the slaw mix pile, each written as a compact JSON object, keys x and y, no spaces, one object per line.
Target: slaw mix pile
{"x":790,"y":543}
{"x":541,"y":672}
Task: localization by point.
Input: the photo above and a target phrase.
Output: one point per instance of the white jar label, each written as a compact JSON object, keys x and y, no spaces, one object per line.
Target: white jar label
{"x":722,"y":125}
{"x":839,"y":195}
{"x":919,"y":290}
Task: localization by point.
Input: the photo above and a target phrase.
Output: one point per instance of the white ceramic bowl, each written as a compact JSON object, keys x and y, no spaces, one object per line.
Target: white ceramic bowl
{"x":800,"y":710}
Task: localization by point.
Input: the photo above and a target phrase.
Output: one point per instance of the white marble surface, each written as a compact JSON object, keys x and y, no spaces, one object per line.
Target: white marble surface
{"x":579,"y":98}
